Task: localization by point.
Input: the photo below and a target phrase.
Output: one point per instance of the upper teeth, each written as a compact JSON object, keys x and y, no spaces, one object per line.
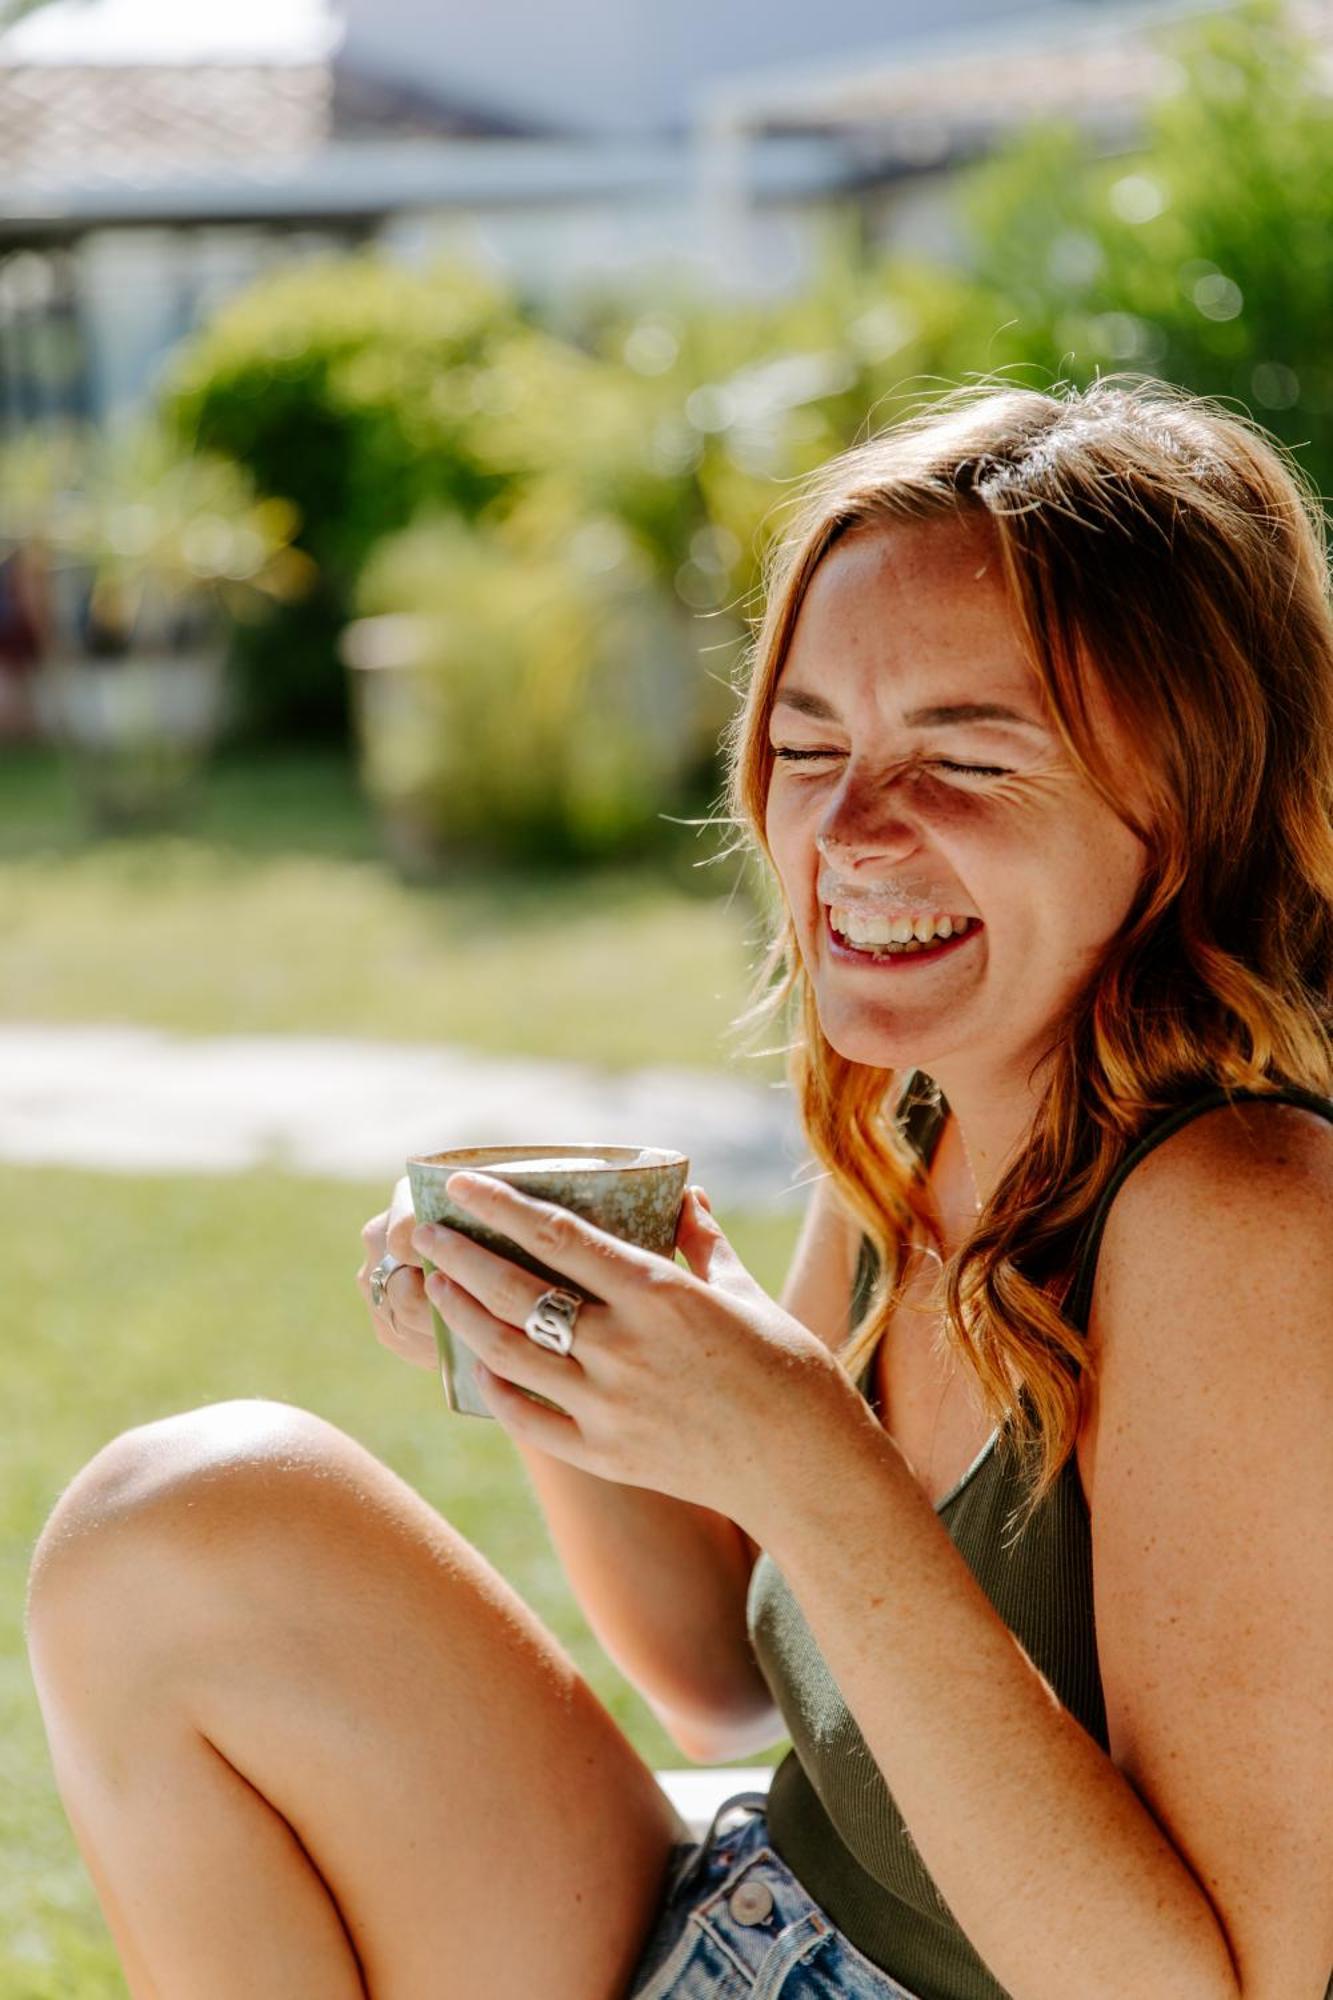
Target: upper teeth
{"x":863,"y":928}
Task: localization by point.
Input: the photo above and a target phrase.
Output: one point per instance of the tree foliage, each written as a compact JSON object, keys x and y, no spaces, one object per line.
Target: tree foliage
{"x":1205,"y":258}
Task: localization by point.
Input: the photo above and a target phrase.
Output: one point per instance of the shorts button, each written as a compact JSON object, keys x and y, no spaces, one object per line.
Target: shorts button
{"x":751,"y":1902}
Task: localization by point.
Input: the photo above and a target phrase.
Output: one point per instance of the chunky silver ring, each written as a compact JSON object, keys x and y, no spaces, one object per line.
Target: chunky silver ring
{"x":379,"y":1281}
{"x":551,"y":1321}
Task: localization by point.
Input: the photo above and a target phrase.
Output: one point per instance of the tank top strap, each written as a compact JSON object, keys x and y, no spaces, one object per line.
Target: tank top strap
{"x":1078,"y":1302}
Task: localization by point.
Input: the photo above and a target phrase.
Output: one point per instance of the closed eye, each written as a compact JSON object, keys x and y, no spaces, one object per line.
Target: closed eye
{"x":976,"y":770}
{"x":940,"y":763}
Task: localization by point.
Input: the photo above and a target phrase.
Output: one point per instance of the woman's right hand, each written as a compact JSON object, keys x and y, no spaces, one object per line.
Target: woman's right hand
{"x":403,"y":1322}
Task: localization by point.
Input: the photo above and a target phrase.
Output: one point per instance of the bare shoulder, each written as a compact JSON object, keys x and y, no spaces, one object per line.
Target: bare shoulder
{"x":1250,"y":1136}
{"x":1215,"y":1274}
{"x":1239,"y":1200}
{"x":1212,"y":1328}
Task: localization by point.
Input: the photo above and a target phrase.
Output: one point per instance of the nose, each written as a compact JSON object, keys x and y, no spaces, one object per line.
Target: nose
{"x":865,"y":821}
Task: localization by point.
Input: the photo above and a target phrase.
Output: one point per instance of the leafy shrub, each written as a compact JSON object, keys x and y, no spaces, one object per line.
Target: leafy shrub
{"x":356,"y":390}
{"x":145,"y":543}
{"x":522,"y":699}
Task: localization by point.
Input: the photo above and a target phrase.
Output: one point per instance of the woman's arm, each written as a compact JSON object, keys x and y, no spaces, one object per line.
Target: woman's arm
{"x":818,"y":1291}
{"x":1194,"y":1862}
{"x":662,"y":1583}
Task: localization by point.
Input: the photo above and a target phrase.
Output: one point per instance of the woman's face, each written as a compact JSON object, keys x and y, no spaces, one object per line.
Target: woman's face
{"x":896,"y":799}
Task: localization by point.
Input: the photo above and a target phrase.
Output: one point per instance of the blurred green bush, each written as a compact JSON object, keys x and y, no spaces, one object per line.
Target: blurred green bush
{"x":352,"y":388}
{"x":522,"y":698}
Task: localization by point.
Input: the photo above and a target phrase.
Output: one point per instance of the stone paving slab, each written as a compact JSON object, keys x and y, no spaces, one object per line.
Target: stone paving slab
{"x":138,"y":1100}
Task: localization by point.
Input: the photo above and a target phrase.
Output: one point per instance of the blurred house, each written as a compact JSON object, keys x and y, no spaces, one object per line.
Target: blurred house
{"x":154,"y":157}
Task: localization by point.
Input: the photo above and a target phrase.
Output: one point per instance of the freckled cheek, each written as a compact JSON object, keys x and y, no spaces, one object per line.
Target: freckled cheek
{"x":790,"y":834}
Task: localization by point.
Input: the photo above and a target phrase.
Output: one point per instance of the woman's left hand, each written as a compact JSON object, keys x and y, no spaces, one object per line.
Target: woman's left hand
{"x":690,"y":1382}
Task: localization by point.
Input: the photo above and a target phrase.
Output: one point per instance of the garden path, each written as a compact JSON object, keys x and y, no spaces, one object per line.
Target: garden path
{"x":138,"y":1100}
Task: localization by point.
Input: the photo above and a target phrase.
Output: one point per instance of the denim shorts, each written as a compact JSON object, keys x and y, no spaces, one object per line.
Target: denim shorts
{"x":735,"y":1924}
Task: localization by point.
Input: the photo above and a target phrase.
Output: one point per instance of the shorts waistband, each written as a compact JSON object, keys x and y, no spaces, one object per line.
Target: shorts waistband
{"x":693,"y":1862}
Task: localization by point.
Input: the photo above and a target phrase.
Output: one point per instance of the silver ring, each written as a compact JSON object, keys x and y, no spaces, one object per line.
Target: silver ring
{"x":551,"y":1321}
{"x":379,"y":1282}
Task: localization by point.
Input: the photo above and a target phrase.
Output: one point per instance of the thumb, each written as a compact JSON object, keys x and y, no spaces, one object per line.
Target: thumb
{"x":702,"y":1243}
{"x":694,"y":1223}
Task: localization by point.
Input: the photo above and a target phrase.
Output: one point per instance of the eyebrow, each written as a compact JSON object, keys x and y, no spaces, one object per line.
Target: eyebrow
{"x":942,"y":713}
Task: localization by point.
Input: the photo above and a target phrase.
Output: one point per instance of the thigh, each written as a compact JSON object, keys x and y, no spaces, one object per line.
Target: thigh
{"x":481,"y":1821}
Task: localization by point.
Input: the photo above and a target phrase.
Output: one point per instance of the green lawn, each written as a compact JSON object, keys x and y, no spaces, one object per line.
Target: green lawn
{"x":129,"y":1298}
{"x":274,"y":912}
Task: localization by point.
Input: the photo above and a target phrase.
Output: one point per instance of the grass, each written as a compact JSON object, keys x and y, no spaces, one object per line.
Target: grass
{"x":274,"y":911}
{"x":131,"y":1298}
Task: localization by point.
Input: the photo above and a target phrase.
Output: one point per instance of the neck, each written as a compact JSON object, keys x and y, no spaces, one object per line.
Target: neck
{"x":986,"y":1130}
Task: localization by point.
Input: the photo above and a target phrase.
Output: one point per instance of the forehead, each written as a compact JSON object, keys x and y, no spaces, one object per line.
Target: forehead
{"x":904,"y":607}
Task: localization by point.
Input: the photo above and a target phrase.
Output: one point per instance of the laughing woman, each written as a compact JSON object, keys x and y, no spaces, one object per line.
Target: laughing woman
{"x":1013,"y":1514}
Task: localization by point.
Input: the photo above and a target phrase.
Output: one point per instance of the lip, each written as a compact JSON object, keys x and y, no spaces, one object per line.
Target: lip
{"x":896,"y":961}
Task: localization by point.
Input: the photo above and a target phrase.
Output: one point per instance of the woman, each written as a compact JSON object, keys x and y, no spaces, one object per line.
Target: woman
{"x":1026,"y":1558}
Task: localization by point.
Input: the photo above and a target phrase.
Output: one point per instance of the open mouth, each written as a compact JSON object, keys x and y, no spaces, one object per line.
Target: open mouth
{"x":899,"y":953}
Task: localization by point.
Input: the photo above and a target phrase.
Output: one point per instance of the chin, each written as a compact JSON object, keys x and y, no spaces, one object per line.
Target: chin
{"x":861,"y":1040}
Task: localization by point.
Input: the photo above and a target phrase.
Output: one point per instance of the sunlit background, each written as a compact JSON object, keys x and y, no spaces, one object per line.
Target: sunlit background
{"x":396,"y":403}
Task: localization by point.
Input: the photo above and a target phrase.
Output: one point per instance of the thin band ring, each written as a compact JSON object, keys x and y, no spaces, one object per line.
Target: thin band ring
{"x":379,"y":1283}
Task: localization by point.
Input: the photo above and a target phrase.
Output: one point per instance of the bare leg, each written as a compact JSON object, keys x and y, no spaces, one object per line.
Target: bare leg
{"x":312,"y":1744}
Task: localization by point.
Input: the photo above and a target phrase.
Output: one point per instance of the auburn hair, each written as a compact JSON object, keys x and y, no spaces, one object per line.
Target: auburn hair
{"x":1163,"y":548}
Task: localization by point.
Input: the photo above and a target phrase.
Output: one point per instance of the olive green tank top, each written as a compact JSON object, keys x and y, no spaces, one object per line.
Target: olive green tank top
{"x":831,"y":1817}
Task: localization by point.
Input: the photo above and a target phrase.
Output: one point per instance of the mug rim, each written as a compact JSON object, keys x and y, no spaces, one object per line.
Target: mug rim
{"x":637,"y":1160}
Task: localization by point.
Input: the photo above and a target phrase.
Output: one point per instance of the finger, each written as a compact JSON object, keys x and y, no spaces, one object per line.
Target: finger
{"x":694,"y":1222}
{"x":706,"y":1249}
{"x":505,"y":1350}
{"x":407,"y":1330}
{"x":401,"y":1222}
{"x":407,"y":1343}
{"x":404,"y":1294}
{"x":532,"y":1423}
{"x":597,"y":1262}
{"x":503,"y":1287}
{"x":373,"y":1234}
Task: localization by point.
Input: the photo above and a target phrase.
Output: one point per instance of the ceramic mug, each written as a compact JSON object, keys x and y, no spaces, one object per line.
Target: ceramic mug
{"x":633,"y":1192}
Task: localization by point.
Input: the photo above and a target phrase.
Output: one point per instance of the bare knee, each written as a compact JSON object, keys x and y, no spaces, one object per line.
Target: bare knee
{"x":185,"y":1485}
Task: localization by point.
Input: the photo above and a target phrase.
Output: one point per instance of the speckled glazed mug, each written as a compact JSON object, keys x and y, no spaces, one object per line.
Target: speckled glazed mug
{"x":633,"y":1192}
